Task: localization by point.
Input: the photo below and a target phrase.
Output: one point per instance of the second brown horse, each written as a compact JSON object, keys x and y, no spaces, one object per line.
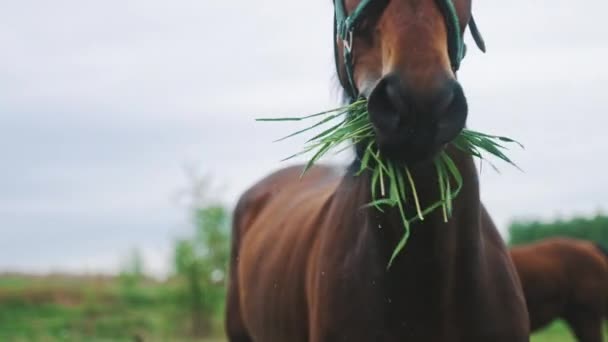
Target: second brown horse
{"x":565,"y":278}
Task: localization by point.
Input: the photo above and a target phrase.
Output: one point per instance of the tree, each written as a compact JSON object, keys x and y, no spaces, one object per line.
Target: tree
{"x":201,"y":263}
{"x":131,"y":275}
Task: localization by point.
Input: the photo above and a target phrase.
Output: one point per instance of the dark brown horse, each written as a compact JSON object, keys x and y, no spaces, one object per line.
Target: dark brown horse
{"x":565,"y":278}
{"x":309,"y":261}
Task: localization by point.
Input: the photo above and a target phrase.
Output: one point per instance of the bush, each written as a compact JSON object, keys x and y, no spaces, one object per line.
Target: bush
{"x":592,"y":229}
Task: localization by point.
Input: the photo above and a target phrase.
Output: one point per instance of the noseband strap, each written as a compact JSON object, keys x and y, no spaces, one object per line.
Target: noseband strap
{"x":455,"y":42}
{"x":344,"y":27}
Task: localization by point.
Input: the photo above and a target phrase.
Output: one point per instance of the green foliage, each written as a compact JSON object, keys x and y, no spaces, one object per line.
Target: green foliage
{"x":200,"y":263}
{"x":132,"y":275}
{"x":593,"y":229}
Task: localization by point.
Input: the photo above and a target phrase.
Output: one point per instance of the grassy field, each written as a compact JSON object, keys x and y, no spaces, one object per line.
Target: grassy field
{"x":557,"y":332}
{"x":64,"y":308}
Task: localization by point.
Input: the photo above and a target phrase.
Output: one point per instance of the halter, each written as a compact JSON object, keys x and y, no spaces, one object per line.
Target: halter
{"x":345,"y":25}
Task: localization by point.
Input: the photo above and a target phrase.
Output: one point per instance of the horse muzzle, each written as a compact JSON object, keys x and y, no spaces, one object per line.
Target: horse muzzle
{"x":412,"y":125}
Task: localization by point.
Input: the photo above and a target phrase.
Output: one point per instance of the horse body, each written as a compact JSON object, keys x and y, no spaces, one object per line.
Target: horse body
{"x":309,"y":260}
{"x":565,"y":278}
{"x":309,"y":264}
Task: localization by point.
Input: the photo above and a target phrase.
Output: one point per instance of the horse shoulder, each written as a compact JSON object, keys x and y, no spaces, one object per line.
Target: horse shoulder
{"x":277,"y":223}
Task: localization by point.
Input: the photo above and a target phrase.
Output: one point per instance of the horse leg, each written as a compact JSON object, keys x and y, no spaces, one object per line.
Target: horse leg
{"x":586,"y":328}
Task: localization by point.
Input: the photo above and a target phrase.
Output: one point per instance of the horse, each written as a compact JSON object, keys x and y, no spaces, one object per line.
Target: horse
{"x":565,"y":278}
{"x":309,"y":259}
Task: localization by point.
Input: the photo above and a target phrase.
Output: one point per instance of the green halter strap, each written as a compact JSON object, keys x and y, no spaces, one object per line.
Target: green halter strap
{"x":455,"y":43}
{"x":344,"y":26}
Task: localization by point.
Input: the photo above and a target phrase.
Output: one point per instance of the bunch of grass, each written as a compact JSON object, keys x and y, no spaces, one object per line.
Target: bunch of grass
{"x":392,"y":183}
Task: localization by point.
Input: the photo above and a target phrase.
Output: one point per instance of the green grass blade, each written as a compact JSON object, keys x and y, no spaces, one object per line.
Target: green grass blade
{"x":455,"y":173}
{"x":327,"y":119}
{"x":375,"y":178}
{"x":377,"y":203}
{"x":316,"y":157}
{"x":414,"y":193}
{"x":439,"y":167}
{"x":366,"y":156}
{"x":326,"y":132}
{"x":342,"y":110}
{"x":448,"y":188}
{"x":400,"y":245}
{"x":382,"y":190}
{"x":401,"y":184}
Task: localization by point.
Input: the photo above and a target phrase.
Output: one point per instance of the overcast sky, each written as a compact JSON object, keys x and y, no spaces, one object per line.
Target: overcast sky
{"x":102,"y":103}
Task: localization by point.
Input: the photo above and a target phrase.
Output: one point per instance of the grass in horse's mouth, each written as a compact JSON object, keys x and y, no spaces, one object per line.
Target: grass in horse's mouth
{"x":391,"y":183}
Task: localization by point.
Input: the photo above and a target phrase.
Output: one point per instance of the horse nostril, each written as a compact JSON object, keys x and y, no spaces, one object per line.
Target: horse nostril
{"x":386,"y":105}
{"x":451,"y":114}
{"x":443,"y":101}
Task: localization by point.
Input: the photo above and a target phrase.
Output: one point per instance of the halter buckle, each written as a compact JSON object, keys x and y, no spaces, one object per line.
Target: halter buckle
{"x":348,"y":41}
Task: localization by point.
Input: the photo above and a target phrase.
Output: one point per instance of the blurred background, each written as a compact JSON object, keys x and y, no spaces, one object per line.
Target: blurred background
{"x":127,"y":133}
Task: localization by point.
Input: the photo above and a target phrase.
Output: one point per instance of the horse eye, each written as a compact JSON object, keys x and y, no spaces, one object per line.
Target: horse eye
{"x":373,"y":13}
{"x":365,"y":27}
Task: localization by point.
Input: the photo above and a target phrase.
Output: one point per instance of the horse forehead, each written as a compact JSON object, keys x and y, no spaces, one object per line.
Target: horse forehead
{"x":413,"y":4}
{"x":407,"y":11}
{"x":407,"y":8}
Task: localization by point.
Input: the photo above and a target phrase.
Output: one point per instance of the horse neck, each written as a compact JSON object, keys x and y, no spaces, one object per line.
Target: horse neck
{"x":432,"y":239}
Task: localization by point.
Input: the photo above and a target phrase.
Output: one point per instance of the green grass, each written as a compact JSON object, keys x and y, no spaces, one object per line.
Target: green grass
{"x":556,"y":332}
{"x":94,"y":320}
{"x":559,"y":332}
{"x":80,"y":309}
